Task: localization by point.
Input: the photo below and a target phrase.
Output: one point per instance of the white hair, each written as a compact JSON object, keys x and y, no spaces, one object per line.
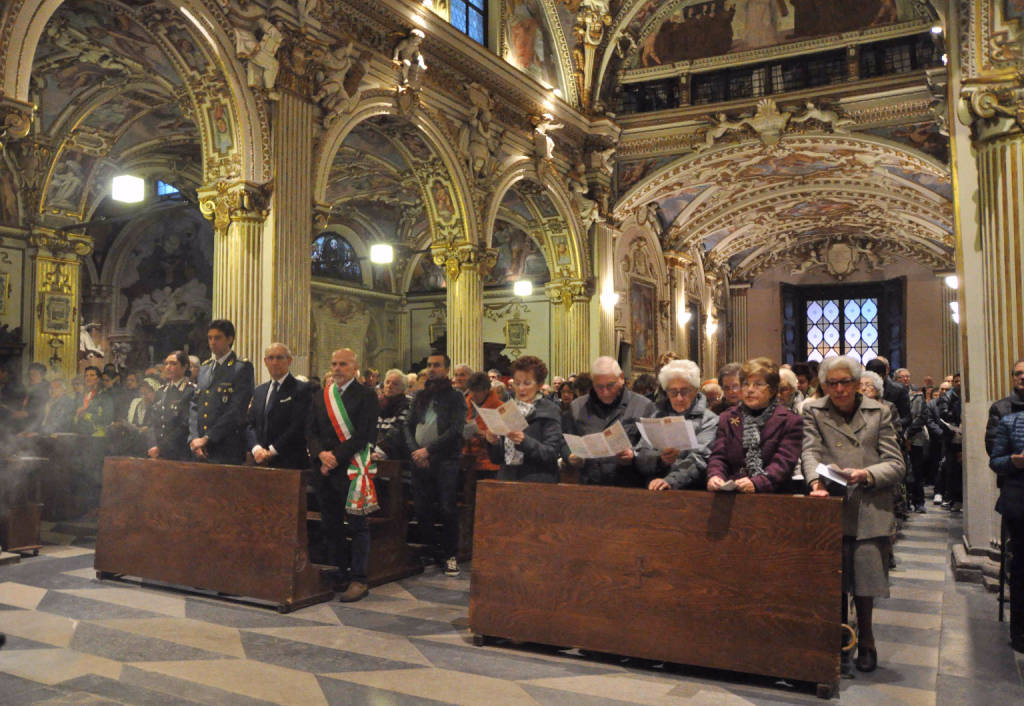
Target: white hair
{"x":605,"y":365}
{"x":875,"y":380}
{"x":852,"y":366}
{"x":460,"y":366}
{"x":287,"y":351}
{"x":403,"y":381}
{"x":686,"y":370}
{"x":787,"y":377}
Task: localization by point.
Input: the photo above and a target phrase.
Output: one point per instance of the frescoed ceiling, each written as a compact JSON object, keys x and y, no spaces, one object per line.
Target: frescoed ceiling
{"x":749,"y":208}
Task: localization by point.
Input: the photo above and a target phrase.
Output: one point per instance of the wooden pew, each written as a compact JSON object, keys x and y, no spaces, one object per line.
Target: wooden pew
{"x":20,"y":509}
{"x":233,"y":529}
{"x":391,"y":557}
{"x":739,"y":582}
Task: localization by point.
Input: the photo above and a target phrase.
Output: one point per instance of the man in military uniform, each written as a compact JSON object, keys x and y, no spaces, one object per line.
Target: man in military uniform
{"x":216,"y":421}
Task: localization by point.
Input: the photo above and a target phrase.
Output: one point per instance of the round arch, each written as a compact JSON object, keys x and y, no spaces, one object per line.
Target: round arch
{"x":24,"y":26}
{"x":462,"y":227}
{"x":519,"y":169}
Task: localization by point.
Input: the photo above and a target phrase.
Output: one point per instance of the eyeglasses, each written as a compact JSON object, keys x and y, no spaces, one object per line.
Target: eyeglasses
{"x":686,"y":392}
{"x":731,"y":388}
{"x":845,"y":382}
{"x":607,"y":387}
{"x":1018,"y":373}
{"x":755,"y":385}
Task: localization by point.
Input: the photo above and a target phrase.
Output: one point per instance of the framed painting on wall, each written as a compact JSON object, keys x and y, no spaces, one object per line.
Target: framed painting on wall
{"x":517,"y":332}
{"x":436,"y":331}
{"x":642,"y":308}
{"x":58,"y":313}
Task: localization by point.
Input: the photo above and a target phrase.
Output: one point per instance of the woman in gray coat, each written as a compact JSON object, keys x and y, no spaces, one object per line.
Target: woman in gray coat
{"x":673,"y":468}
{"x":855,"y":433}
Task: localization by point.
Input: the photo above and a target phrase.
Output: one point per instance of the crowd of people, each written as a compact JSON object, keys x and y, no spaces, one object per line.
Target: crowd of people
{"x":759,"y":428}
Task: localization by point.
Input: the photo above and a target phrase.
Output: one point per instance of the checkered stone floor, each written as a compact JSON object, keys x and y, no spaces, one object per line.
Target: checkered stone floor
{"x":74,"y":640}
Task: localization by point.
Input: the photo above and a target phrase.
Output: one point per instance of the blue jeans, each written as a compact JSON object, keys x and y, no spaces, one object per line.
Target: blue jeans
{"x":437,"y":485}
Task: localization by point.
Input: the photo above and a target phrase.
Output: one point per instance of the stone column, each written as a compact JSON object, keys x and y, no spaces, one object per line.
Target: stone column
{"x":736,"y":338}
{"x":57,"y":298}
{"x":464,"y":265}
{"x":287,"y":242}
{"x":602,"y":316}
{"x":570,"y":327}
{"x":238,"y":213}
{"x":950,"y":332}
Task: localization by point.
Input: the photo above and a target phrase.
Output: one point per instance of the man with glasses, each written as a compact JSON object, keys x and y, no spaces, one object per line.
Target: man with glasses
{"x":276,"y":429}
{"x":1014,"y":402}
{"x":729,"y":381}
{"x":608,"y":402}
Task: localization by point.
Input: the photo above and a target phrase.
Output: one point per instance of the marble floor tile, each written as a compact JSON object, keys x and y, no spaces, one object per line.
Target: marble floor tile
{"x":960,"y":691}
{"x":183,"y":631}
{"x":312,"y":658}
{"x":507,"y":665}
{"x":54,"y":665}
{"x":102,"y":641}
{"x":320,"y":613}
{"x":48,"y":629}
{"x":900,"y":573}
{"x":21,"y":595}
{"x":256,"y":680}
{"x":384,"y":622}
{"x":394,"y":590}
{"x":631,"y":689}
{"x":65,"y":552}
{"x":17,"y":691}
{"x":904,"y":591}
{"x":915,"y":655}
{"x":349,"y":639}
{"x":200,"y":693}
{"x":443,"y":685}
{"x":342,"y":693}
{"x":154,"y":601}
{"x":437,"y":594}
{"x":910,"y":605}
{"x":80,"y":608}
{"x":237,"y":616}
{"x":124,"y":693}
{"x":924,"y":621}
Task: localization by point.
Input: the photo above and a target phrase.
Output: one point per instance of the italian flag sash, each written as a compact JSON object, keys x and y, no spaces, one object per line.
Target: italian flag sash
{"x":362,"y":495}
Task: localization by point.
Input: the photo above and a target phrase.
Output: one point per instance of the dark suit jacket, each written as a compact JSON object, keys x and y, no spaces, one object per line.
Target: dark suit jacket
{"x":899,"y":395}
{"x":219,"y":408}
{"x":781,"y":441}
{"x":284,"y":427}
{"x":363,"y":409}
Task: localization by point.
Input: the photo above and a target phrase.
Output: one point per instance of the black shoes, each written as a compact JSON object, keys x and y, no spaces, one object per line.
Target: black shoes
{"x":867,"y":659}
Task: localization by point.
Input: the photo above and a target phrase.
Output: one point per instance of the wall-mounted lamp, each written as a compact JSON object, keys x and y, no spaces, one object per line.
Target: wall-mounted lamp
{"x":609,"y":299}
{"x":522,"y":288}
{"x":952,"y":281}
{"x":955,"y":308}
{"x":936,"y":29}
{"x":684,"y":317}
{"x":711,"y":326}
{"x":128,"y":189}
{"x":382,"y":254}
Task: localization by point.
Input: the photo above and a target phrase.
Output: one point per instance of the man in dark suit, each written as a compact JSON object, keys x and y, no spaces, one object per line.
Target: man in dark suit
{"x":342,"y":424}
{"x":276,"y":432}
{"x":216,"y":420}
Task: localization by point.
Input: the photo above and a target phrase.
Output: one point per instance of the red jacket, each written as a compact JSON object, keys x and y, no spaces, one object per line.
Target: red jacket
{"x":782,"y":439}
{"x":477,"y":446}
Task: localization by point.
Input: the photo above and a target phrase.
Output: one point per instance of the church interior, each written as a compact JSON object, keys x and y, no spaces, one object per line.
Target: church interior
{"x":714,"y":179}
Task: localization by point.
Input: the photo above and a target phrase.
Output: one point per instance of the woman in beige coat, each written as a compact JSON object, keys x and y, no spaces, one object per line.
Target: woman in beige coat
{"x":856,"y":434}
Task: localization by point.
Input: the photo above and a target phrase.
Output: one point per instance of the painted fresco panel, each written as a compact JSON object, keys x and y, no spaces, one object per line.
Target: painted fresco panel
{"x":519,"y":257}
{"x":529,"y":44}
{"x":642,"y":303}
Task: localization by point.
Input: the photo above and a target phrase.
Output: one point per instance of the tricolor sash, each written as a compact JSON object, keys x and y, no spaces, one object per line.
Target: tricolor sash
{"x":362,"y":495}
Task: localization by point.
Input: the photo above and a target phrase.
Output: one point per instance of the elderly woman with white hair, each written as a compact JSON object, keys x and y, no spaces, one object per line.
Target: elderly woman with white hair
{"x":854,"y":433}
{"x":674,"y":468}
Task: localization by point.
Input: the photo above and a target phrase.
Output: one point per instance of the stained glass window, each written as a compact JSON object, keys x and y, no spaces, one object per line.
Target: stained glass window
{"x":335,"y":258}
{"x":469,"y":17}
{"x":842,"y":327}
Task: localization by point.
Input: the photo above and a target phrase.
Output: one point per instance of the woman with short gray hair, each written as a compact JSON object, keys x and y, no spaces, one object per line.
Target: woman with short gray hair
{"x":674,"y":468}
{"x":853,"y":433}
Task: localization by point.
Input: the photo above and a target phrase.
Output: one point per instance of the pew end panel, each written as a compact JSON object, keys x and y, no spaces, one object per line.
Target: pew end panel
{"x":742,"y":583}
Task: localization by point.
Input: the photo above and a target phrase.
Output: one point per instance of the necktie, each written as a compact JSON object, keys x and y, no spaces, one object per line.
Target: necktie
{"x":272,"y":400}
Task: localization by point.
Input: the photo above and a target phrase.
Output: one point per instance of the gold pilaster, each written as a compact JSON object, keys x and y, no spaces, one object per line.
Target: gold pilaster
{"x":238,"y":212}
{"x":736,"y":341}
{"x":950,"y":332}
{"x":57,"y":305}
{"x":286,"y":255}
{"x":464,"y":265}
{"x":570,"y":326}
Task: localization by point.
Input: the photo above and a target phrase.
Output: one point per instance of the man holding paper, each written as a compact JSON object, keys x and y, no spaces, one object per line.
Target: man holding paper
{"x":612,"y":411}
{"x":682,"y":464}
{"x":530,"y":451}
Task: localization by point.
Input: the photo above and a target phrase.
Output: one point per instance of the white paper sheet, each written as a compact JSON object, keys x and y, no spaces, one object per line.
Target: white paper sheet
{"x":501,"y":420}
{"x":602,"y":444}
{"x":833,"y":473}
{"x":668,"y":433}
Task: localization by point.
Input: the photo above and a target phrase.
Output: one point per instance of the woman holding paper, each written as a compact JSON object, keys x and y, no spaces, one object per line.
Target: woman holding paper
{"x":851,"y":432}
{"x":757,"y":443}
{"x":670,"y":467}
{"x":530,"y":454}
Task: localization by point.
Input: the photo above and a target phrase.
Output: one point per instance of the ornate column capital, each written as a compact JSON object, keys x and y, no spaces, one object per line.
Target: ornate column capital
{"x":567,"y":291}
{"x":226,"y":202}
{"x":15,"y":119}
{"x":993,"y":110}
{"x":60,"y":244}
{"x":456,"y":257}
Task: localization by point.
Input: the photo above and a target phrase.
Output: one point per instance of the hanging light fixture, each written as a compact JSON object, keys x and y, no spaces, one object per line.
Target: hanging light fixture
{"x":522,"y":288}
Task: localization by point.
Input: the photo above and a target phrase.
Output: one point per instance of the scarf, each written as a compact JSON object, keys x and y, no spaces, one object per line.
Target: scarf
{"x":513,"y":456}
{"x":752,"y":426}
{"x":362,"y":496}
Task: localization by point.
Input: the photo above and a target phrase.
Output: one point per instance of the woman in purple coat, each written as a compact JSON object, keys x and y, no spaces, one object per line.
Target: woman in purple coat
{"x":759,"y":440}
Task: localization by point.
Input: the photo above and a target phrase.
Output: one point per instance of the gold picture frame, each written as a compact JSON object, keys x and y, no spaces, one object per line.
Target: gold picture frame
{"x":517,"y":333}
{"x":58,"y":313}
{"x":5,"y":288}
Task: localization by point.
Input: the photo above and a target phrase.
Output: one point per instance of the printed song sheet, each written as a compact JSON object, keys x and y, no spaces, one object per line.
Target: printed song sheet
{"x":603,"y":444}
{"x":668,"y":433}
{"x":501,"y":420}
